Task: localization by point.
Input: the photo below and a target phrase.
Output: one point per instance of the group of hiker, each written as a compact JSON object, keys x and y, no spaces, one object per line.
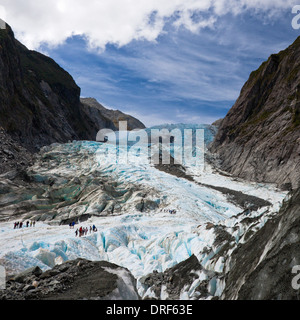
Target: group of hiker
{"x":19,"y":225}
{"x":82,"y":231}
{"x":173,"y":211}
{"x":72,"y":224}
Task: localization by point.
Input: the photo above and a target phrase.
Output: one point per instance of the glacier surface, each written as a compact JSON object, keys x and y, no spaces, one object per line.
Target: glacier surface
{"x":142,"y":240}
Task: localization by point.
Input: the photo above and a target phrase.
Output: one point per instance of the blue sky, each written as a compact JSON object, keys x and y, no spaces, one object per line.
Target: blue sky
{"x":189,"y":72}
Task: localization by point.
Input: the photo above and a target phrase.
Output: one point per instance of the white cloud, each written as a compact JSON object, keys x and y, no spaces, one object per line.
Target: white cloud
{"x":119,"y":21}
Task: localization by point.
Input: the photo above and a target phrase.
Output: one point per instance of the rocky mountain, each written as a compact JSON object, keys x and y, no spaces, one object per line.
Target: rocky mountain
{"x":259,"y":139}
{"x":93,"y":109}
{"x":40,"y":102}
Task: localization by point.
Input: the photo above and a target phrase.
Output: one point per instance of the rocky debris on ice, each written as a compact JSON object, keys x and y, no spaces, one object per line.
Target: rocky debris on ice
{"x":74,"y":280}
{"x":186,"y":280}
{"x":262,"y":268}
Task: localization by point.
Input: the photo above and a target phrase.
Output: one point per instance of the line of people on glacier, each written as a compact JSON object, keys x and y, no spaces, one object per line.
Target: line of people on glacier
{"x":171,"y":211}
{"x":82,"y":231}
{"x":20,"y":224}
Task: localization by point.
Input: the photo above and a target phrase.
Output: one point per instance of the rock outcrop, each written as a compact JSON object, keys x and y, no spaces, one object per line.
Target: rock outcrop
{"x":78,"y":279}
{"x":259,"y":139}
{"x":182,"y":281}
{"x":13,"y":156}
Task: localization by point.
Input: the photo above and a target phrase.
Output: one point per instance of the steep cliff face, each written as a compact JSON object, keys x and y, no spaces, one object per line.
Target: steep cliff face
{"x":40,"y":102}
{"x":259,"y":139}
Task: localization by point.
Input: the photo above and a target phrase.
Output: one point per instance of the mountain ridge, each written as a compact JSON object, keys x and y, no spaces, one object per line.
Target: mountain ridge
{"x":91,"y":106}
{"x":40,"y":101}
{"x":259,"y":139}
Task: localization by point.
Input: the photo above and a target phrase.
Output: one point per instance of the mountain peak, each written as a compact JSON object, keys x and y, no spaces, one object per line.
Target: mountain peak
{"x":115,"y":116}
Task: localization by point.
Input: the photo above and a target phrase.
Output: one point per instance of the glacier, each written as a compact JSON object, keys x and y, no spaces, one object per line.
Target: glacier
{"x":130,"y":205}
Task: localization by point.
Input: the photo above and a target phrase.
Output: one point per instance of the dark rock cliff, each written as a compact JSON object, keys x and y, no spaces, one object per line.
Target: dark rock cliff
{"x":259,"y":139}
{"x":40,"y":102}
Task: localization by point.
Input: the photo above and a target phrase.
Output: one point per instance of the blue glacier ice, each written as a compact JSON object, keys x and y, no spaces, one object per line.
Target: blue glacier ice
{"x":111,"y":192}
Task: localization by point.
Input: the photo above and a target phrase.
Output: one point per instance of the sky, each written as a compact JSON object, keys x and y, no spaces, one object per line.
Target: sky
{"x":162,"y":61}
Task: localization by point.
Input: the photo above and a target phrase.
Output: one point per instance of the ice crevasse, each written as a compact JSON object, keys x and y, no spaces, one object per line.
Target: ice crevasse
{"x":144,"y":241}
